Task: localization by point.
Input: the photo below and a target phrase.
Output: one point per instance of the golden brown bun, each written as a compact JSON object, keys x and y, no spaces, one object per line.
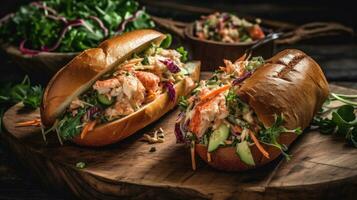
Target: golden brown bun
{"x":80,"y":73}
{"x":112,"y":132}
{"x":290,"y":83}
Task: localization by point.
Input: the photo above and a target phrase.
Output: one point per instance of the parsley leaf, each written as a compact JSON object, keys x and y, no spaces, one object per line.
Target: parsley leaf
{"x":166,"y":43}
{"x":21,"y":92}
{"x":270,"y":135}
{"x":183,"y":103}
{"x":33,"y":97}
{"x":254,"y":63}
{"x":70,"y":126}
{"x":234,"y":103}
{"x":342,"y":121}
{"x":183,"y":52}
{"x":11,"y":93}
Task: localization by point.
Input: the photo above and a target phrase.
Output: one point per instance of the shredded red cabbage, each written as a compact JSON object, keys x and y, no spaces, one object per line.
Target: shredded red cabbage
{"x":225,"y":17}
{"x":178,"y":133}
{"x":57,"y":18}
{"x":101,"y":25}
{"x":181,"y":129}
{"x":74,"y":23}
{"x":180,"y":116}
{"x":125,"y":22}
{"x":92,"y":112}
{"x":171,"y":66}
{"x":242,"y":78}
{"x":27,"y":51}
{"x":53,"y":14}
{"x":41,"y":5}
{"x":170,"y":90}
{"x":68,"y":24}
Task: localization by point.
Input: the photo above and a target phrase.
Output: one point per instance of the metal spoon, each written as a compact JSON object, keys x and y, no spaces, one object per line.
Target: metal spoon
{"x":248,"y":52}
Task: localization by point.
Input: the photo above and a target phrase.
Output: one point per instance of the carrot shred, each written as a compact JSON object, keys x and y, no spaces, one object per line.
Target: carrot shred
{"x":193,"y":156}
{"x":88,"y":127}
{"x":215,"y":92}
{"x":259,"y":146}
{"x":35,"y":122}
{"x":92,"y":125}
{"x":209,"y":159}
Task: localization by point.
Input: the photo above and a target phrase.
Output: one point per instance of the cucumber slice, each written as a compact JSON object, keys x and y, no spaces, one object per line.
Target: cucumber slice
{"x":104,"y":100}
{"x":218,"y":137}
{"x":245,"y":154}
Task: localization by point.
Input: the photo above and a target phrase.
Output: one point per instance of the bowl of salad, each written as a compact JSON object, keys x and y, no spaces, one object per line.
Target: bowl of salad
{"x":224,"y":35}
{"x":43,"y":36}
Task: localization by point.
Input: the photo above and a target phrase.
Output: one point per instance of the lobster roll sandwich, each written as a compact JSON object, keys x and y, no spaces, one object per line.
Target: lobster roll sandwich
{"x":250,"y":111}
{"x":105,"y":94}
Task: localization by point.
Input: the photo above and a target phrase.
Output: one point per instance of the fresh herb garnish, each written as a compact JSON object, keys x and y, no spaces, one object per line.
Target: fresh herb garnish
{"x":70,"y":126}
{"x":254,"y":63}
{"x":183,"y":103}
{"x":183,"y":52}
{"x":339,"y":120}
{"x":23,"y":92}
{"x":145,"y":61}
{"x":80,"y":165}
{"x":196,"y":90}
{"x":166,"y":43}
{"x":212,"y":81}
{"x":271,"y":134}
{"x":71,"y":26}
{"x":231,"y":99}
{"x":234,"y":103}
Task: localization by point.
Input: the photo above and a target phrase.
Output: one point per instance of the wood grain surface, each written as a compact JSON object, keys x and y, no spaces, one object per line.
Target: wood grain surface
{"x":322,"y":167}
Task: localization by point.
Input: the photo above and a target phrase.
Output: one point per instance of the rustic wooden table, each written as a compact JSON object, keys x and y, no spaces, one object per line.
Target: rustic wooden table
{"x":338,"y":61}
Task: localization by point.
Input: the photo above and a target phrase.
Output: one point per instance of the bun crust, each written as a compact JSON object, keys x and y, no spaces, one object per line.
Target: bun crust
{"x":290,"y":83}
{"x":80,"y":73}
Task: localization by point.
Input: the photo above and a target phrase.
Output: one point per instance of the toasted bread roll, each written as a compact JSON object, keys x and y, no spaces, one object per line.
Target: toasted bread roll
{"x":290,"y":83}
{"x":79,"y":74}
{"x":86,"y":68}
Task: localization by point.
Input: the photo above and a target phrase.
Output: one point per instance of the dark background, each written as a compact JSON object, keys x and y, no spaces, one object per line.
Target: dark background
{"x":326,"y":50}
{"x":337,"y":57}
{"x":301,"y":11}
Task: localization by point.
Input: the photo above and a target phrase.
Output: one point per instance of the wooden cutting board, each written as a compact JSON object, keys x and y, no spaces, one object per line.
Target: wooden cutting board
{"x":322,"y":167}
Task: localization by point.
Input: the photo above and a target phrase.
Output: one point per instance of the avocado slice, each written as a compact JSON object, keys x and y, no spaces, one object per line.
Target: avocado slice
{"x":218,"y":137}
{"x":104,"y":100}
{"x":244,"y":153}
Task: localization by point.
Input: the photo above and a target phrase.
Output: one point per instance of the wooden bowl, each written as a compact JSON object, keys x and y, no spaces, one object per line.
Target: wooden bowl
{"x":44,"y":63}
{"x":211,"y":53}
{"x":41,"y":67}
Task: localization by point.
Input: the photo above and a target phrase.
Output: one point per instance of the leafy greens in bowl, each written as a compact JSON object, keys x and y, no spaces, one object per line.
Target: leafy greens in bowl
{"x":70,"y":26}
